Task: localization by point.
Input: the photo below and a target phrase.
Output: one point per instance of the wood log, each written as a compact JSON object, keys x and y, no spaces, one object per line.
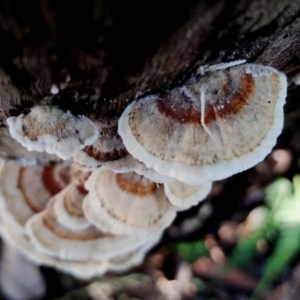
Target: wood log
{"x":103,"y":54}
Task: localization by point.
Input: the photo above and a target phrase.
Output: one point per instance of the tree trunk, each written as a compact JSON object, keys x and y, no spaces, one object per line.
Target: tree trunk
{"x":102,"y":54}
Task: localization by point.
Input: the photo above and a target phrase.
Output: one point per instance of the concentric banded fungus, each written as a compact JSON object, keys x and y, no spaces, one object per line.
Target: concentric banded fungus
{"x":125,"y":165}
{"x":52,"y":130}
{"x":108,"y":150}
{"x":17,"y":237}
{"x":236,"y":126}
{"x":12,"y":148}
{"x":151,"y":174}
{"x":78,"y":242}
{"x":26,"y":190}
{"x":67,"y":207}
{"x":126,"y":203}
{"x":184,"y":196}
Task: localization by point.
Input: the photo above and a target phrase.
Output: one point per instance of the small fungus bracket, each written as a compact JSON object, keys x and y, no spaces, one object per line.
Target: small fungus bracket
{"x":50,"y":129}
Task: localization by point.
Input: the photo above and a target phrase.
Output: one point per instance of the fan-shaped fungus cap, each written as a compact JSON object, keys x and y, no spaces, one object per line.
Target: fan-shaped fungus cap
{"x":108,"y":150}
{"x":210,"y":128}
{"x":183,"y":196}
{"x":18,"y":239}
{"x":25,"y":191}
{"x":12,"y":148}
{"x":48,"y":128}
{"x":77,"y":242}
{"x":67,"y":207}
{"x":122,"y":165}
{"x":126,"y":203}
{"x":151,"y":174}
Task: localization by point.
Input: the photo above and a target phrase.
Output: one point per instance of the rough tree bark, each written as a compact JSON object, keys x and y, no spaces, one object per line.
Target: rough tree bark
{"x":102,"y":54}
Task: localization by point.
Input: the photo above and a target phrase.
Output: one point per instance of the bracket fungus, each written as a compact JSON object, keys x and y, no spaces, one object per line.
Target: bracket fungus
{"x":126,"y":203}
{"x":183,"y":196}
{"x":141,"y":169}
{"x":18,"y":238}
{"x":67,"y":208}
{"x":41,"y":216}
{"x":50,"y":129}
{"x":106,"y":211}
{"x":26,"y":190}
{"x":213,"y":126}
{"x":60,"y":237}
{"x":108,"y":150}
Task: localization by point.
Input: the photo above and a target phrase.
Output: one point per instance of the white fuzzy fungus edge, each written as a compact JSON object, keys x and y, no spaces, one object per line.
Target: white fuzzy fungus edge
{"x":99,"y":248}
{"x":63,"y":216}
{"x":17,"y":238}
{"x":104,"y":221}
{"x":64,"y":148}
{"x":191,"y":200}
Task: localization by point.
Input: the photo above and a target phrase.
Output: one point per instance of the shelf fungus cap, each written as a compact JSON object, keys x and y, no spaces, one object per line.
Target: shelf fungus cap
{"x":67,"y":207}
{"x":124,"y":164}
{"x":59,"y":240}
{"x":50,"y":129}
{"x":183,"y":196}
{"x":126,"y":203}
{"x":141,"y":169}
{"x":211,"y":127}
{"x":25,"y":191}
{"x":108,"y":150}
{"x":18,"y":239}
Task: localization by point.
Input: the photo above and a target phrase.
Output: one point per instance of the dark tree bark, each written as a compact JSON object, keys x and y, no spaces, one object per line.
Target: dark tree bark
{"x":102,"y":54}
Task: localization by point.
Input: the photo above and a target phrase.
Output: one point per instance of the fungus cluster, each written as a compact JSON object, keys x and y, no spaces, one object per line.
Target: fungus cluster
{"x":105,"y":209}
{"x":79,"y":221}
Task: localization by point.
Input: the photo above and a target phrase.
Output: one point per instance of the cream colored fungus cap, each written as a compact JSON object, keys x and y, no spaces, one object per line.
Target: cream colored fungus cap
{"x":67,"y":207}
{"x":58,"y":240}
{"x":211,"y":127}
{"x":126,"y":203}
{"x":125,"y":164}
{"x":183,"y":196}
{"x":25,"y":191}
{"x":18,"y":239}
{"x":108,"y":150}
{"x":50,"y":129}
{"x":141,"y":169}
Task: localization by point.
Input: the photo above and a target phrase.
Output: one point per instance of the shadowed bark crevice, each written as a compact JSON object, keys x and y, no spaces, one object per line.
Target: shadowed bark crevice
{"x":103,"y":54}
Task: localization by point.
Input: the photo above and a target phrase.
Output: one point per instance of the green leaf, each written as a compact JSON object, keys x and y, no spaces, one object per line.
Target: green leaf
{"x":192,"y":251}
{"x":287,"y":246}
{"x":278,"y":191}
{"x":296,"y":186}
{"x":246,"y":249}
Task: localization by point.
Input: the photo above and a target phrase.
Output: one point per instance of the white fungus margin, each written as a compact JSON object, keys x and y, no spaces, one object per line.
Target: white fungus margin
{"x":50,"y":129}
